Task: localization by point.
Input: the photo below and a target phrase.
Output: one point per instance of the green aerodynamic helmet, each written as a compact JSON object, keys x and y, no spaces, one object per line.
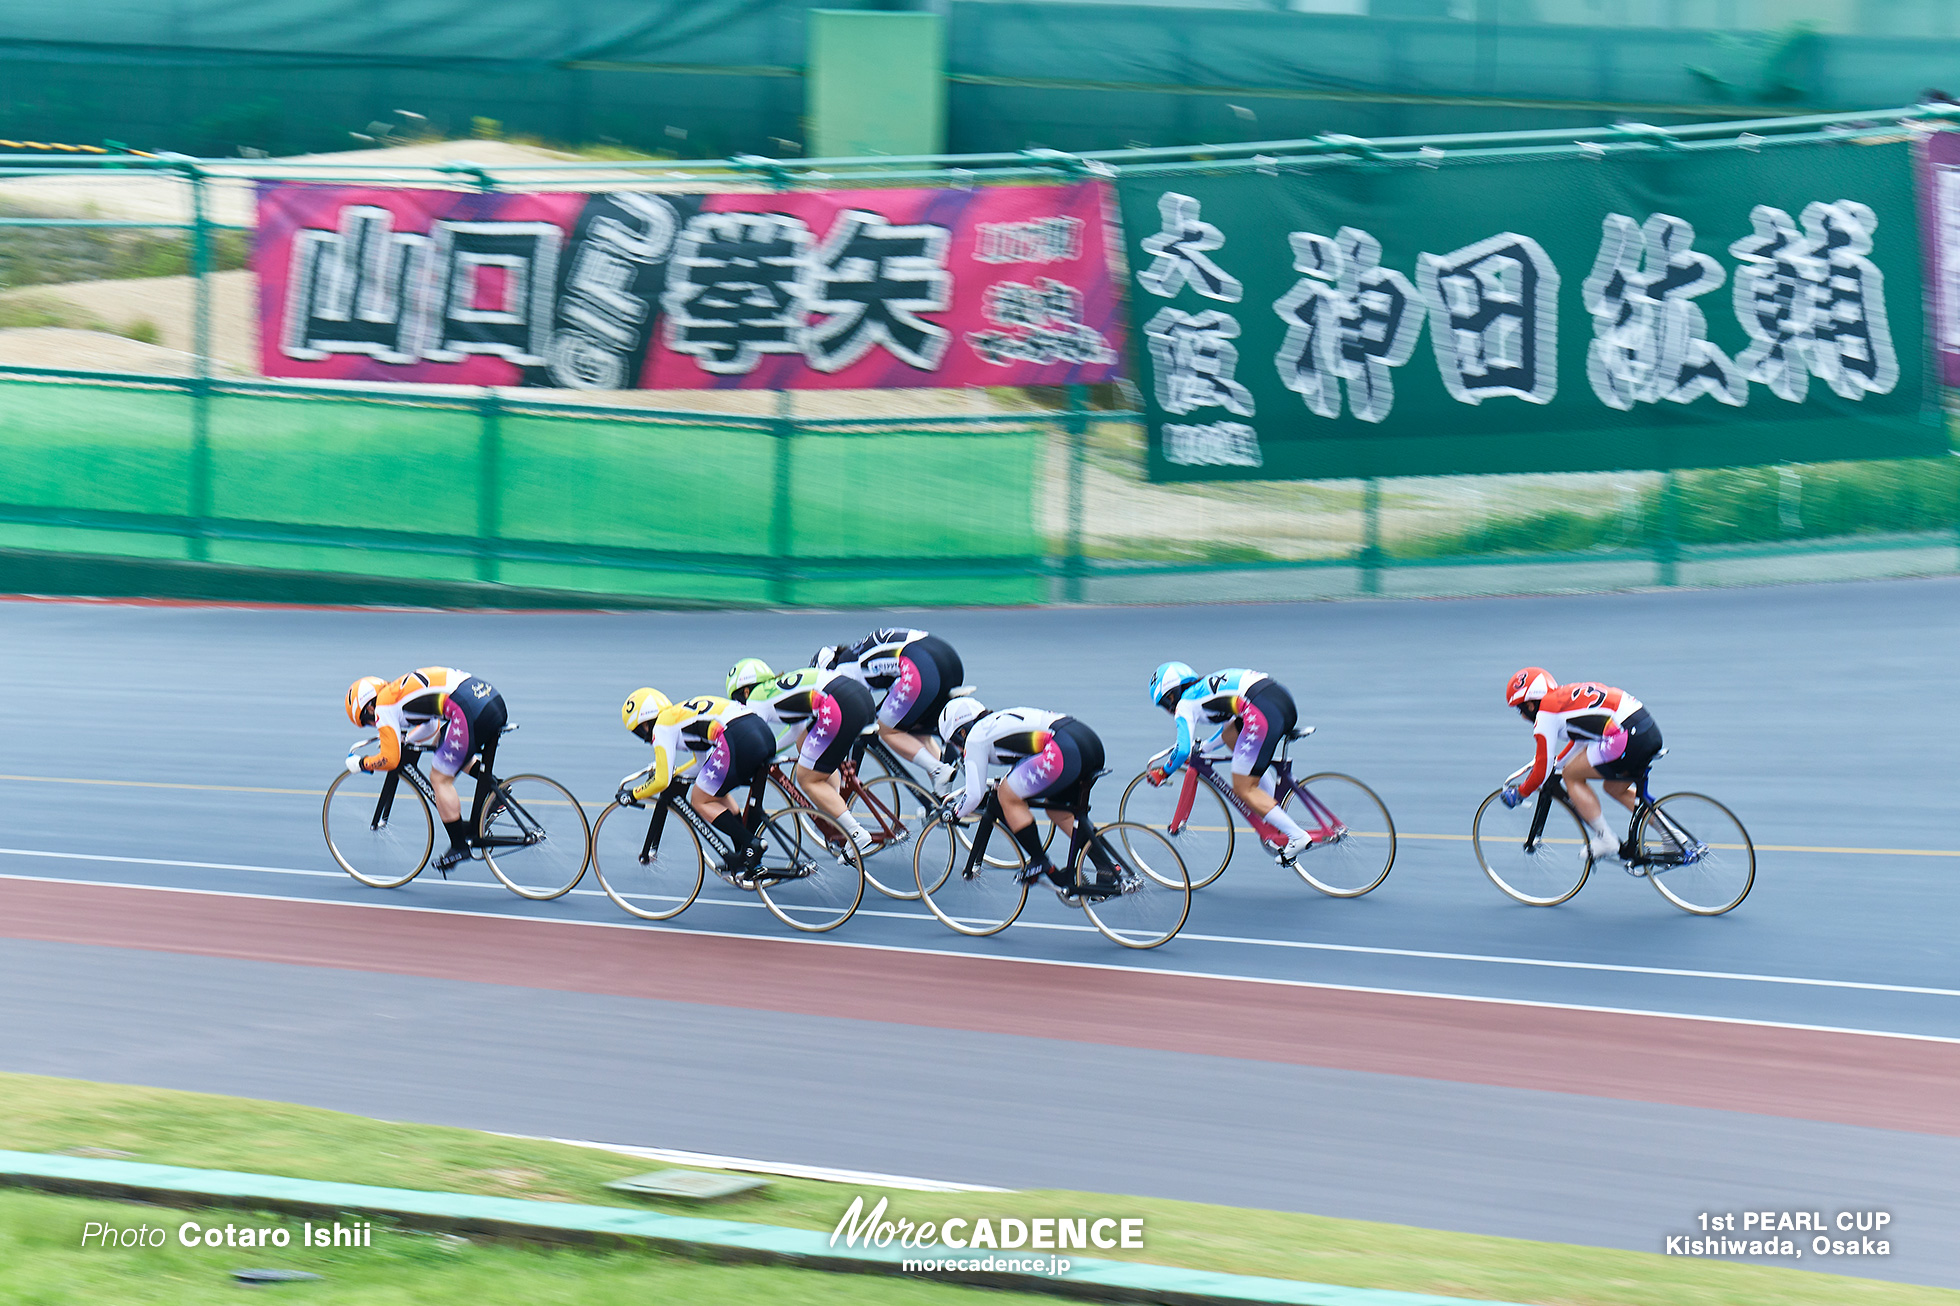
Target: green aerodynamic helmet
{"x":745,"y":675}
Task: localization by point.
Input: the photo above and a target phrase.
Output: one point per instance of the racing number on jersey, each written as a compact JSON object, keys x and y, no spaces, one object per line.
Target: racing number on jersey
{"x":1587,"y":696}
{"x":700,"y":706}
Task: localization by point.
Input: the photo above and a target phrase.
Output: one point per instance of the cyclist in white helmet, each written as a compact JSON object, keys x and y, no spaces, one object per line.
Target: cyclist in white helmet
{"x":1246,"y":711}
{"x":1050,"y":756}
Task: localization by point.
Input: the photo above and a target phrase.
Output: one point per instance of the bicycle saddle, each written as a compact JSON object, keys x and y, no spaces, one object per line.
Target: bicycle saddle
{"x":1299,"y":732}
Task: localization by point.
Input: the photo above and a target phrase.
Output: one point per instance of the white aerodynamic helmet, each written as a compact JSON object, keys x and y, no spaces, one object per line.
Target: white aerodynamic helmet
{"x":956,"y":716}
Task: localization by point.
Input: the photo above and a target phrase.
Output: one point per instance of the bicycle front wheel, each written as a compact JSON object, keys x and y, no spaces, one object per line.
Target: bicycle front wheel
{"x":983,"y":900}
{"x":1353,"y":834}
{"x":1141,"y":898}
{"x":809,"y":875}
{"x":1543,"y":875}
{"x":1205,"y":842}
{"x":383,"y":849}
{"x":1697,"y":853}
{"x":663,"y":884}
{"x":893,"y":812}
{"x":536,"y":838}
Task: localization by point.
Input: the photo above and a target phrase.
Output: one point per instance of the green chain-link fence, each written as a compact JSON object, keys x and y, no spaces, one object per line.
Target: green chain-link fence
{"x":215,"y":483}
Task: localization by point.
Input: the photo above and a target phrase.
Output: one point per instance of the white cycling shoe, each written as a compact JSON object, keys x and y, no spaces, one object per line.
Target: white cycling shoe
{"x":1298,"y":844}
{"x":1602,"y":845}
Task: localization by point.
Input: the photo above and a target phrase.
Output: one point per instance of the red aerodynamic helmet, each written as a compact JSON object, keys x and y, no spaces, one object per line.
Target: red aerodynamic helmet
{"x":1528,"y":685}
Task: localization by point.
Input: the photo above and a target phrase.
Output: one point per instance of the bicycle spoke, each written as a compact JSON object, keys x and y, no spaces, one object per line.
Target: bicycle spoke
{"x":381,"y":853}
{"x":1701,"y":859}
{"x":808,"y":875}
{"x":981,"y":899}
{"x":537,"y":840}
{"x":1204,"y":842}
{"x":894,"y":813}
{"x":658,"y":888}
{"x":1548,"y":872}
{"x":1136,"y":892}
{"x":1353,"y":835}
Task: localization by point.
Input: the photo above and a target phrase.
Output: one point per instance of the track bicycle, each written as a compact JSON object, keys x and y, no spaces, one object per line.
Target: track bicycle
{"x":532,"y":832}
{"x":878,"y":760}
{"x":1688,"y":846}
{"x":1130,"y":881}
{"x":891,"y":807}
{"x":801,"y":866}
{"x":1353,"y":835}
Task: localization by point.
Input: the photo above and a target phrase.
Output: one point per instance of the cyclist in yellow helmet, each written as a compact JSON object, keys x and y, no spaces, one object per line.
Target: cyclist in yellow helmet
{"x":716,"y":744}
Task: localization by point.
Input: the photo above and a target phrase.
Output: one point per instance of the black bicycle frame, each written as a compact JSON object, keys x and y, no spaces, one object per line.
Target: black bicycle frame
{"x":1553,"y":790}
{"x":663,"y":804}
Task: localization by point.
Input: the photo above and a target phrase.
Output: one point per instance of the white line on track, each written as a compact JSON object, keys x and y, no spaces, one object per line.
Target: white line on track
{"x":813,"y":941}
{"x":1417,"y":954}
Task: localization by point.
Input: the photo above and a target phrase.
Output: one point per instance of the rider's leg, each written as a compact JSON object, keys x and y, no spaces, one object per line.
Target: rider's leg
{"x":449,"y":805}
{"x":822,"y":788}
{"x":725,"y":814}
{"x":1578,"y":771}
{"x":1625,"y":792}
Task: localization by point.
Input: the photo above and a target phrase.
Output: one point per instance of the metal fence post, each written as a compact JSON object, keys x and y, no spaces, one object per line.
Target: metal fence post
{"x":1667,"y":548}
{"x":1371,"y":536}
{"x":489,"y":483}
{"x":782,"y":588}
{"x":1076,"y":423}
{"x":200,"y":387}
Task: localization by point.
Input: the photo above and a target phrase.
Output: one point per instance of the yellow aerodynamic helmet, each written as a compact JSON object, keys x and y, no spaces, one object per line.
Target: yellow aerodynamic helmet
{"x":643,"y":706}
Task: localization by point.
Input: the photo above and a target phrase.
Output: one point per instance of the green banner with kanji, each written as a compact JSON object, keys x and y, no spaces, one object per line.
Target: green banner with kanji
{"x":1692,"y":306}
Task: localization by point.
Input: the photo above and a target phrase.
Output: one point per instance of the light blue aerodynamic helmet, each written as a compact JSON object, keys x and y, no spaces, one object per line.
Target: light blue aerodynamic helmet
{"x":1168,"y":683}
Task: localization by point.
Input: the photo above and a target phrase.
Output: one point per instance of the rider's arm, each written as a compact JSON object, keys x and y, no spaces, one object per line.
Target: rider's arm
{"x":1541,"y":743}
{"x":1188,"y":728}
{"x":980,"y":747}
{"x":389,"y":718}
{"x":666,"y":741}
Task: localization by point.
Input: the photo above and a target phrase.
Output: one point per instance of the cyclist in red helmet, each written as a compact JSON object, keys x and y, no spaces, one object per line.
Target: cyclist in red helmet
{"x":1601,"y":733}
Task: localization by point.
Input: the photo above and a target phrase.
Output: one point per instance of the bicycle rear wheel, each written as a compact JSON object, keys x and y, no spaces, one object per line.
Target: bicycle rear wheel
{"x":893,"y":812}
{"x":1152,"y":891}
{"x":1353,"y":834}
{"x":1205,"y":843}
{"x":809,"y":876}
{"x":983,"y":901}
{"x":552,"y":839}
{"x":1700,"y":857}
{"x":659,"y":888}
{"x":382,"y":851}
{"x":1546,"y":875}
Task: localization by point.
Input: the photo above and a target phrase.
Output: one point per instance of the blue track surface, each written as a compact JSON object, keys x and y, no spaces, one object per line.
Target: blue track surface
{"x":1818,"y":713}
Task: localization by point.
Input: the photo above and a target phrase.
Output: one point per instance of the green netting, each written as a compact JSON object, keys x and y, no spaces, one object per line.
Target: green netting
{"x":470,"y":491}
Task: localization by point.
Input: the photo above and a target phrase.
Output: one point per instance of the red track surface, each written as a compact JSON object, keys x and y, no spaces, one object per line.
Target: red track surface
{"x":1889,"y":1083}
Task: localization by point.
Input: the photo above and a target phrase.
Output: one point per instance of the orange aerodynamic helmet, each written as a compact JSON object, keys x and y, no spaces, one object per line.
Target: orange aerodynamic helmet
{"x":360,"y":697}
{"x":1528,"y":686}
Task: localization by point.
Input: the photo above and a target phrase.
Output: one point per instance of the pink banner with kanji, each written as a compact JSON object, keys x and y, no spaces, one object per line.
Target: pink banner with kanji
{"x":864,"y":289}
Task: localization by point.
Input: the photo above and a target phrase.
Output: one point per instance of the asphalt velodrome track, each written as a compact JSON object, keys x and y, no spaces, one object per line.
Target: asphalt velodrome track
{"x":1433,"y":1054}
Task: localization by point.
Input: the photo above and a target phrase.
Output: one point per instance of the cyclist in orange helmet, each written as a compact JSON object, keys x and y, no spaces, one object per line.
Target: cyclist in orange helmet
{"x":454,"y":712}
{"x":1601,"y":733}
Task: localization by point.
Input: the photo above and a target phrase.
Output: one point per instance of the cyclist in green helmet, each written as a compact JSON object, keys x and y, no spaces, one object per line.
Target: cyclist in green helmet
{"x":821,"y":714}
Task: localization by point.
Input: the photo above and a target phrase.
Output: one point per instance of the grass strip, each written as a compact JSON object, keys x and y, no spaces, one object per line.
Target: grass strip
{"x":188,"y":1129}
{"x":42,"y":1261}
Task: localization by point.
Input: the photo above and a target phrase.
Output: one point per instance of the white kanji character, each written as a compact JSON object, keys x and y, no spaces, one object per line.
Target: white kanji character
{"x":1181,"y":254}
{"x":1813,"y":302}
{"x":1650,"y":340}
{"x":1194,"y":360}
{"x":869,"y":282}
{"x":1348,"y":319}
{"x":735,"y":289}
{"x":1493,"y":319}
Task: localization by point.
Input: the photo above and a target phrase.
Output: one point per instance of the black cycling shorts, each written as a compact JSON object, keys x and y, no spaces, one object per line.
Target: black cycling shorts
{"x":928,"y":673}
{"x":1643,"y":742}
{"x":1073,"y":757}
{"x":856,"y":709}
{"x":1268,"y":715}
{"x":744,"y":749}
